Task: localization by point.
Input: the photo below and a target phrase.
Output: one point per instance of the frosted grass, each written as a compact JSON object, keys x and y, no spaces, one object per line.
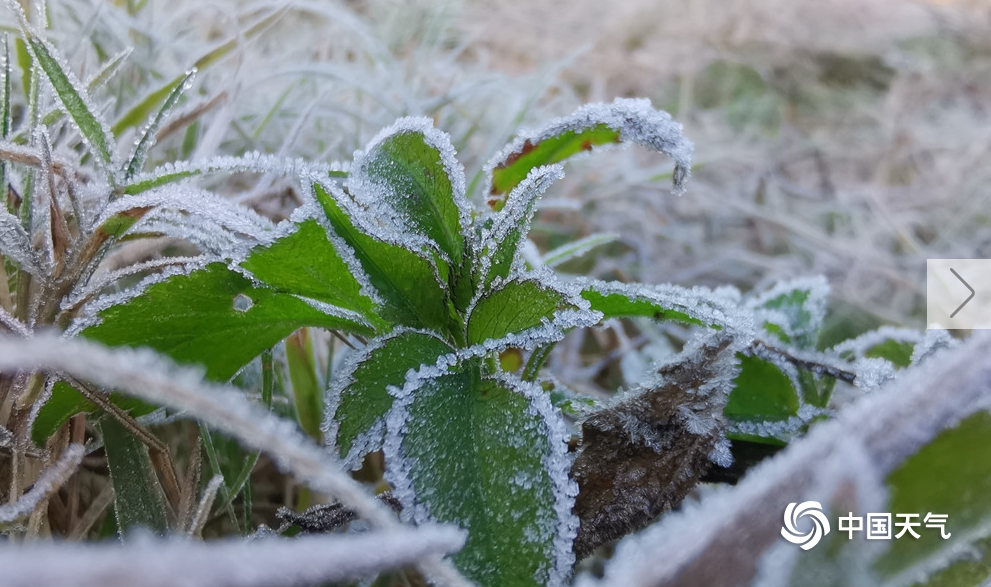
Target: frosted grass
{"x":47,"y":483}
{"x":262,"y":562}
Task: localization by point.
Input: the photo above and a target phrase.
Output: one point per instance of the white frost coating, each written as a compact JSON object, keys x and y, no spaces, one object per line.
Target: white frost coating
{"x":113,"y":166}
{"x":373,"y":194}
{"x":517,"y":214}
{"x":206,"y":503}
{"x":371,"y":224}
{"x":311,"y":210}
{"x":146,"y":137}
{"x":557,"y":464}
{"x":12,"y":324}
{"x":334,"y":311}
{"x":262,"y":562}
{"x":99,"y":282}
{"x":16,"y":244}
{"x":250,"y":162}
{"x":815,"y":304}
{"x":872,"y":373}
{"x":373,"y":438}
{"x":637,"y":122}
{"x":576,"y":249}
{"x":705,"y":305}
{"x":933,"y":341}
{"x":197,"y":202}
{"x":880,"y":430}
{"x":48,"y":482}
{"x":89,"y":314}
{"x":151,"y":377}
{"x":858,"y":347}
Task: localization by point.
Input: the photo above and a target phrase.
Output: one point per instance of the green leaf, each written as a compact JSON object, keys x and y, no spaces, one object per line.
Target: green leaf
{"x":306,"y":263}
{"x":481,"y":454}
{"x":512,"y":308}
{"x":214,"y":317}
{"x":361,"y":388}
{"x":406,"y":282}
{"x":72,"y":96}
{"x":621,"y":300}
{"x":408,"y":172}
{"x":504,"y":240}
{"x":554,"y":149}
{"x":899,"y":352}
{"x":138,"y":497}
{"x":591,"y":125}
{"x":761,"y":392}
{"x":797,"y":309}
{"x":66,"y":402}
{"x":168,"y":100}
{"x":951,"y":475}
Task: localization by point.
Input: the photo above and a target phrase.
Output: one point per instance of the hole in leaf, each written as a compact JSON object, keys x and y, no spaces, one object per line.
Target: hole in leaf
{"x":243,"y":303}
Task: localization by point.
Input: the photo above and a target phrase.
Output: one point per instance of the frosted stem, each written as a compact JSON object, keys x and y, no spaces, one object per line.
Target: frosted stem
{"x":48,"y":482}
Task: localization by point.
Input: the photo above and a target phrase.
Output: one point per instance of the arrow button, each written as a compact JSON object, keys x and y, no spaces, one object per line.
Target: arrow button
{"x":970,"y":297}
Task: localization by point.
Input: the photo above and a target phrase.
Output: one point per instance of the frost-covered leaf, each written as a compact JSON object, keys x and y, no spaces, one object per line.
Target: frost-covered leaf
{"x":409,"y":178}
{"x":359,"y":400}
{"x":576,"y":249}
{"x":793,"y":311}
{"x":253,"y":162}
{"x":407,"y":283}
{"x":951,"y":475}
{"x":263,"y":562}
{"x":15,"y":244}
{"x":623,"y":121}
{"x":306,"y":263}
{"x":642,"y":455}
{"x":761,"y":392}
{"x":489,"y":455}
{"x":896,"y":345}
{"x":502,"y":242}
{"x":661,"y":302}
{"x":214,"y":317}
{"x":139,"y":500}
{"x":513,"y":307}
{"x":169,"y":97}
{"x":71,"y":93}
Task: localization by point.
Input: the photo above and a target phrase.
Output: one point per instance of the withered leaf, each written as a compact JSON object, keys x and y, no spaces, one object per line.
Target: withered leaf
{"x":642,"y":456}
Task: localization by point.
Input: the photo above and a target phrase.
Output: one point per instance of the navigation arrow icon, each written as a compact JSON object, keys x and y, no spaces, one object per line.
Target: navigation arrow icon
{"x":960,"y":307}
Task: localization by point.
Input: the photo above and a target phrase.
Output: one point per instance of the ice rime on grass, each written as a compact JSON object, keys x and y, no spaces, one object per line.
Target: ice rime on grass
{"x":263,"y":562}
{"x":16,"y":244}
{"x":153,"y":378}
{"x":635,"y":120}
{"x":726,"y":532}
{"x":517,"y":216}
{"x":47,"y":483}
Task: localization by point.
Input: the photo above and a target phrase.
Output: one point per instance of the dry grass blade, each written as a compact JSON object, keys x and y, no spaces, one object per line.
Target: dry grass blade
{"x":50,"y":480}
